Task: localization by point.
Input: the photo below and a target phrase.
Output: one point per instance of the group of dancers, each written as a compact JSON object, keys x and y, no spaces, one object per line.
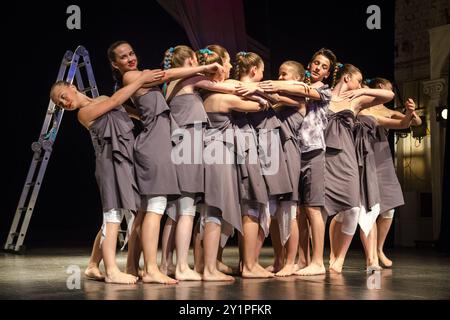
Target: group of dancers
{"x":308,"y":146}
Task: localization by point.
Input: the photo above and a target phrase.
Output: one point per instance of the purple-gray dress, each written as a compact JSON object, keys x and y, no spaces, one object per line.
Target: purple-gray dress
{"x":112,"y":138}
{"x":221,"y":179}
{"x":190,"y":118}
{"x":342,"y":183}
{"x":155,"y":171}
{"x":390,"y":190}
{"x":268,"y":129}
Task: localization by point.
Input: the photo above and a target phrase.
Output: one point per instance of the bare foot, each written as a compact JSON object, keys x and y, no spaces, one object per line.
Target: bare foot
{"x":222,"y":267}
{"x":372,"y":268}
{"x":384,"y":260}
{"x":332,"y":259}
{"x":187,"y":274}
{"x":94,"y":273}
{"x":168,"y":270}
{"x":135,"y":272}
{"x":256,"y":272}
{"x":311,"y":270}
{"x":120,"y":278}
{"x":155,"y":276}
{"x":372,"y":265}
{"x":216,"y":275}
{"x":274,"y":268}
{"x":270,"y":268}
{"x":288,"y":270}
{"x":336,"y":266}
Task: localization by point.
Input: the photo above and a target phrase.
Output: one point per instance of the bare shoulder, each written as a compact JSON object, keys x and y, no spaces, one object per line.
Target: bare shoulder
{"x":101,"y":98}
{"x":130,"y":76}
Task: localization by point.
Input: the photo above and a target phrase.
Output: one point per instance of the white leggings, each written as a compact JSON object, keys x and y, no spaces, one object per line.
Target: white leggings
{"x":388,"y":214}
{"x":186,"y":206}
{"x":153,"y":203}
{"x":116,"y":216}
{"x":349,"y":220}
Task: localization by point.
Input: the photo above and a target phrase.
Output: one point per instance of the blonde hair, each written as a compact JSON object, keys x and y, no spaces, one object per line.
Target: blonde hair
{"x":298,"y":68}
{"x":244,"y":62}
{"x":176,"y":57}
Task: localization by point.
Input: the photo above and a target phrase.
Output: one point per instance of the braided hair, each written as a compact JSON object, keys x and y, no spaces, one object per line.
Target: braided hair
{"x":206,"y":56}
{"x":175,"y":57}
{"x":244,"y":61}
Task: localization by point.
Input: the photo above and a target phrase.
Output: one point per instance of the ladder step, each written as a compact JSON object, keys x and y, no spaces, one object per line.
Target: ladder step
{"x":89,"y":89}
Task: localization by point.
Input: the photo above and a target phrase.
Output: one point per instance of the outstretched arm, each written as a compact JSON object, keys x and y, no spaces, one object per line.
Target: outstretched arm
{"x":183,"y":72}
{"x":232,"y":102}
{"x":365,"y":97}
{"x":94,"y":110}
{"x":416,"y":121}
{"x":203,"y":82}
{"x":290,"y":87}
{"x":405,"y":122}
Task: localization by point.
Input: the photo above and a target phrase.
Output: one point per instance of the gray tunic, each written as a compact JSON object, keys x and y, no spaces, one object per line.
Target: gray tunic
{"x":268,"y":130}
{"x":221,"y":179}
{"x":365,"y":135}
{"x":390,"y":190}
{"x":155,"y":171}
{"x":291,"y":121}
{"x":341,"y":165}
{"x":113,"y":140}
{"x":251,"y":182}
{"x":187,"y":110}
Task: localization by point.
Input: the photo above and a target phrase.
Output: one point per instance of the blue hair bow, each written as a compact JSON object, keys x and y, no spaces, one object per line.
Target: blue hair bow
{"x":205,"y":51}
{"x":340,"y":65}
{"x":307,"y":74}
{"x":243,"y":53}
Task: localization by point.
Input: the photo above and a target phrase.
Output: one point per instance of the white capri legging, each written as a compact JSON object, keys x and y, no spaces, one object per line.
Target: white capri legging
{"x":116,"y":216}
{"x":154,"y":203}
{"x":349,"y":220}
{"x":186,"y":205}
{"x":212,"y":214}
{"x":388,"y":214}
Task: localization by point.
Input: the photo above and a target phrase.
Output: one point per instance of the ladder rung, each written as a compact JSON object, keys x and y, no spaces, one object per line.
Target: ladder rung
{"x":89,"y":89}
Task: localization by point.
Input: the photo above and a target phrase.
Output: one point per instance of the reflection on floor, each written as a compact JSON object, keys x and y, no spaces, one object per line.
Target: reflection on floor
{"x":51,"y":274}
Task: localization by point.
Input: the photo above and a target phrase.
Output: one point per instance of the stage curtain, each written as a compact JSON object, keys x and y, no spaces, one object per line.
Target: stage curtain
{"x":210,"y":22}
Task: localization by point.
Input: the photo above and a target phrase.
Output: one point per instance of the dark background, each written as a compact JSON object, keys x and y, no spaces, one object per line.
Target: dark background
{"x":68,"y":210}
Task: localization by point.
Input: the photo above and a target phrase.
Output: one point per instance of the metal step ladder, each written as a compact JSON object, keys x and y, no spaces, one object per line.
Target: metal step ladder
{"x":70,"y":70}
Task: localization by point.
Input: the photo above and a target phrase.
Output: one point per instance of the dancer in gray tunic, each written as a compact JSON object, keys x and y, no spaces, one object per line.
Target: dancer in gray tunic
{"x":111,"y":136}
{"x":223,"y":183}
{"x":155,"y":171}
{"x":342,"y":177}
